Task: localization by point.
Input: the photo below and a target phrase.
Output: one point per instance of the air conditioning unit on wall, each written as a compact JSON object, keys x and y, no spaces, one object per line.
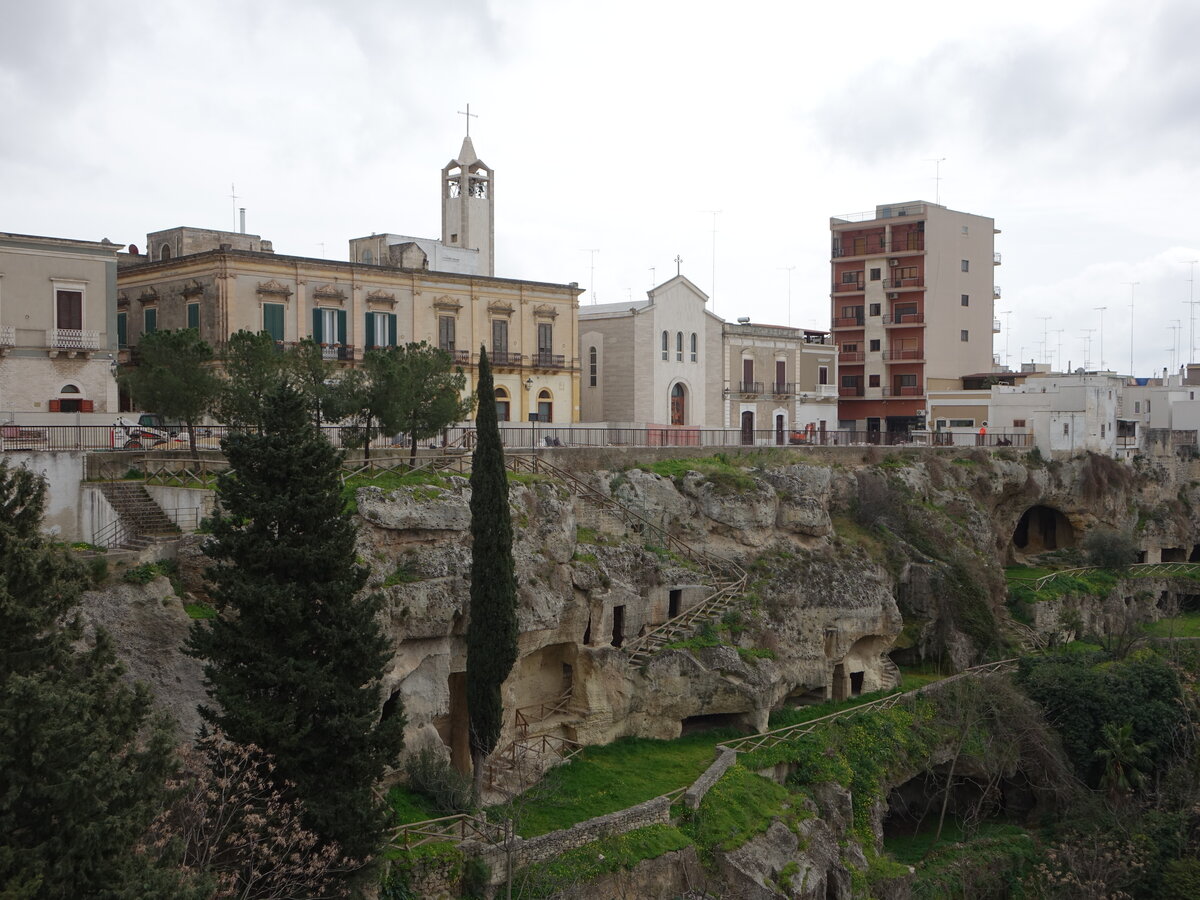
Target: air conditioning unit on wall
{"x":893,"y":262}
{"x":893,"y":295}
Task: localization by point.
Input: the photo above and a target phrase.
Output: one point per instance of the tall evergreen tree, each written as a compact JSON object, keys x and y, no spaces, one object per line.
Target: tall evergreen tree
{"x":294,"y":661}
{"x":492,"y":633}
{"x":83,"y":762}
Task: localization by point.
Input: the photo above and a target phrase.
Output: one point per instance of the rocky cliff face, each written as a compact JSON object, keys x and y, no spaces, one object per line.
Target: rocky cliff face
{"x":848,"y":558}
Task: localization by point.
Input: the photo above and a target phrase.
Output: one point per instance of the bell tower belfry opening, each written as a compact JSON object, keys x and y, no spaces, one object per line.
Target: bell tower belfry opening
{"x":468,"y":204}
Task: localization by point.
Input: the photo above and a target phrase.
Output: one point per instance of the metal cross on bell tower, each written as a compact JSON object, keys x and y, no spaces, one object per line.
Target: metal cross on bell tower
{"x":678,"y":263}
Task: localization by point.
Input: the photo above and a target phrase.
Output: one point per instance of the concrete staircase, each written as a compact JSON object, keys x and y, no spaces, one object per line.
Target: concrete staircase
{"x":144,"y":522}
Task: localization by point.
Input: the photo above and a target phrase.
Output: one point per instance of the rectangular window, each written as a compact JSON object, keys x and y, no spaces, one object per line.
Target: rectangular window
{"x":849,"y":348}
{"x":850,"y":381}
{"x":1066,"y":429}
{"x":875,"y":274}
{"x":446,"y":333}
{"x":193,"y":316}
{"x":381,"y":330}
{"x":852,"y":277}
{"x":874,"y":309}
{"x":874,"y":344}
{"x":329,"y":326}
{"x":1101,"y":430}
{"x":747,"y":372}
{"x":966,"y":300}
{"x":122,"y":330}
{"x":272,"y":314}
{"x":872,"y":381}
{"x":962,"y":423}
{"x":149,"y":320}
{"x":906,"y":380}
{"x":500,"y":337}
{"x":964,"y":335}
{"x":822,"y":374}
{"x":1018,"y":423}
{"x":966,"y":265}
{"x":1137,"y":406}
{"x":545,"y":342}
{"x":780,"y":376}
{"x":68,"y":310}
{"x":592,"y":367}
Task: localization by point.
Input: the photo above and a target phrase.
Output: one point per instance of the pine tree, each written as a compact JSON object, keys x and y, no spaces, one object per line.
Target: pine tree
{"x":294,"y":661}
{"x":492,"y":633}
{"x":83,"y":761}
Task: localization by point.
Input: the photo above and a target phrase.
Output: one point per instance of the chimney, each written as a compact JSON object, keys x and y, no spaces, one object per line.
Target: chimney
{"x":242,"y":211}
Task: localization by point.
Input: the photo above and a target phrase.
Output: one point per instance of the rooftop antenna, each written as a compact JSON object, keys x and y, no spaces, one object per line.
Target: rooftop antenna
{"x":713,"y":292}
{"x":937,"y":178}
{"x":789,"y":270}
{"x":470,"y":115}
{"x":1045,"y":334}
{"x":652,"y":281}
{"x":593,"y":251}
{"x":1175,"y":327}
{"x":1087,"y":347}
{"x":1132,"y":286}
{"x":1101,"y":309}
{"x":1007,"y":313}
{"x":1192,"y":308}
{"x":234,"y":197}
{"x":1058,"y":351}
{"x":321,"y":244}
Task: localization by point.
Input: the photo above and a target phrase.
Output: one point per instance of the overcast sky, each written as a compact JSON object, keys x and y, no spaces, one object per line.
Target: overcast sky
{"x":620,"y":126}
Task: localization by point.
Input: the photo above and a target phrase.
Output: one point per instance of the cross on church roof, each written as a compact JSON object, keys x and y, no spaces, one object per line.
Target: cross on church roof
{"x":678,"y":263}
{"x":470,"y":115}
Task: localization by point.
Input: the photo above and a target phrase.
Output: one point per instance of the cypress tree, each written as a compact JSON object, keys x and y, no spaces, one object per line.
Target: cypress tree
{"x":492,"y":633}
{"x":294,"y":661}
{"x":83,"y":762}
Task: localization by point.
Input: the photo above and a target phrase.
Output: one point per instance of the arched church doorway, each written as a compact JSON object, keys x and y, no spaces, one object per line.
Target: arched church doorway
{"x":747,"y":427}
{"x":678,"y":405}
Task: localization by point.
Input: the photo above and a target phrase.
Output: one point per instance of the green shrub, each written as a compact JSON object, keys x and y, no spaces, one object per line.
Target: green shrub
{"x":433,"y":777}
{"x":1109,"y":549}
{"x":476,"y":875}
{"x":97,"y":570}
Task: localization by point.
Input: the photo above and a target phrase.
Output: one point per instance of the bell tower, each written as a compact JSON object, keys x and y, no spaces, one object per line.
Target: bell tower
{"x":468,"y":204}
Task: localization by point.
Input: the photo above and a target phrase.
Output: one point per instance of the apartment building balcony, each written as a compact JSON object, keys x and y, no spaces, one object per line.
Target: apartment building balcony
{"x":995,"y":292}
{"x":504,"y":358}
{"x":903,"y":319}
{"x":544,"y":360}
{"x":898,"y":284}
{"x":72,"y":340}
{"x":826,"y":390}
{"x":848,"y":321}
{"x":854,"y":391}
{"x":849,"y":287}
{"x":818,"y":339}
{"x":995,"y":259}
{"x":904,"y":391}
{"x":8,"y":338}
{"x":851,"y":356}
{"x":850,"y":247}
{"x":904,"y":355}
{"x":749,"y":387}
{"x":995,"y":326}
{"x":459,"y":357}
{"x":337,"y":352}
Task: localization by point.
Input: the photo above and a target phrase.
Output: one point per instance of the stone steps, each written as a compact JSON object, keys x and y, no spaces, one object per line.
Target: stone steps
{"x":144,"y":519}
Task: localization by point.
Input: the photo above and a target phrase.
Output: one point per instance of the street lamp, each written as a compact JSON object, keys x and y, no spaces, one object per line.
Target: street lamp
{"x":533,"y":416}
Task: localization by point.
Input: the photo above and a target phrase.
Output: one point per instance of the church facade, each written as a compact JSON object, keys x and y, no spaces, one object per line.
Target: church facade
{"x":389,"y":292}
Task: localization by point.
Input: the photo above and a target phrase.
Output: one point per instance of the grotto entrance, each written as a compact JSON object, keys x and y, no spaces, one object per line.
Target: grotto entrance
{"x":914,"y":807}
{"x":1043,"y":528}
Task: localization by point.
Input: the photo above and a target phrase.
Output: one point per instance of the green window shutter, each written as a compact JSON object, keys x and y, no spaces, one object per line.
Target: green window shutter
{"x":151,"y":320}
{"x":391,"y":326}
{"x":317,"y":336}
{"x":341,"y":326}
{"x":273,"y":320}
{"x":193,"y":316}
{"x":370,"y":331}
{"x":122,"y":330}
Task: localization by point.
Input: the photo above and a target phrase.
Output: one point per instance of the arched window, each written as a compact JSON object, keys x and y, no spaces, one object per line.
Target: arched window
{"x":545,"y":402}
{"x":666,"y":345}
{"x":69,"y":400}
{"x":70,"y":389}
{"x":592,"y":367}
{"x":165,"y":252}
{"x":503,"y":404}
{"x":679,"y":346}
{"x":693,"y":346}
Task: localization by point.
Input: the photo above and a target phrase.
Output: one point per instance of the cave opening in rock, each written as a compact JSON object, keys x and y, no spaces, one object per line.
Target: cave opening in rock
{"x":914,"y":807}
{"x":391,"y":706}
{"x":618,"y":629}
{"x":1174,"y":554}
{"x":674,"y":599}
{"x":1043,"y":528}
{"x":712,"y":722}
